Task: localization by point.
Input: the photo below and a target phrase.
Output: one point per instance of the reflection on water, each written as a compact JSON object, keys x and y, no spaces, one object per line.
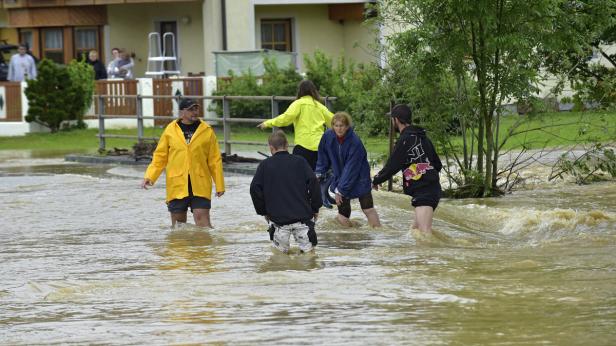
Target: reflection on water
{"x":295,"y":260}
{"x":89,"y":258}
{"x":189,"y":248}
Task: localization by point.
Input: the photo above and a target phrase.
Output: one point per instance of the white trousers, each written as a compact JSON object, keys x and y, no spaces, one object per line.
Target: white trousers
{"x":283,"y":234}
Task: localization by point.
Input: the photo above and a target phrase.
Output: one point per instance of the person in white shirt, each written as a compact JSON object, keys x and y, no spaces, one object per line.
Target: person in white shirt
{"x":22,"y":66}
{"x":111,"y":67}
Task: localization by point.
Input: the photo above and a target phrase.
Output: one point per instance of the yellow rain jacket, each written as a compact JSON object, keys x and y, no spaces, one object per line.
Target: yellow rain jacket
{"x":200,"y":159}
{"x":308,"y":117}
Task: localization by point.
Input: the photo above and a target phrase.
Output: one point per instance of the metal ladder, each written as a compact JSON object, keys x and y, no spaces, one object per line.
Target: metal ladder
{"x":162,"y":62}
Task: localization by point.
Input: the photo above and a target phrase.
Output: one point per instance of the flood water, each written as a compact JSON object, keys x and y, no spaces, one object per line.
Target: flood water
{"x":89,"y":258}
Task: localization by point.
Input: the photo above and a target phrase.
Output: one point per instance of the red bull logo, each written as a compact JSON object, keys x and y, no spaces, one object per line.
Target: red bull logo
{"x":416,"y":170}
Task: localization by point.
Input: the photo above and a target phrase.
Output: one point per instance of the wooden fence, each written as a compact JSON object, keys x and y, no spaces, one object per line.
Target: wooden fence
{"x":117,"y":104}
{"x":226,"y":118}
{"x":164,"y":87}
{"x":10,"y":102}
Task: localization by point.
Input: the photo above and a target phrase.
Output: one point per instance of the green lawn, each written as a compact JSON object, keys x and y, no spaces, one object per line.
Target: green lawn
{"x":557,"y":129}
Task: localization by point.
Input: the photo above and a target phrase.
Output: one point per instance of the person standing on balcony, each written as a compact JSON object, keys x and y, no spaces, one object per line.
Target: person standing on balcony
{"x":124,"y":66}
{"x":188,"y":150}
{"x":309,"y":118}
{"x":22,"y":66}
{"x":342,"y":151}
{"x":99,"y":69}
{"x":111,"y":67}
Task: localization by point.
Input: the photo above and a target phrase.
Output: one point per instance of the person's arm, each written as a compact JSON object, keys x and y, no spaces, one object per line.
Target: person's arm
{"x":111,"y":68}
{"x":394,"y":164}
{"x":32,"y":72}
{"x":323,"y":162}
{"x":214,"y":162}
{"x":327,"y":115}
{"x":314,"y":189}
{"x":350,"y":172}
{"x":159,"y":159}
{"x":130,"y":65}
{"x":257,"y":191}
{"x":11,"y":74}
{"x":286,"y":118}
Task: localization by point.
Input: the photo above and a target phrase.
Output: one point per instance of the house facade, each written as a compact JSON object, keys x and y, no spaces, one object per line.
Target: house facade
{"x":62,"y":30}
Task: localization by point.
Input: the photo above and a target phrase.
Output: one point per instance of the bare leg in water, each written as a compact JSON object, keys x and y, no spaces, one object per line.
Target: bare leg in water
{"x":423,"y":218}
{"x":201,"y":216}
{"x":373,"y":217}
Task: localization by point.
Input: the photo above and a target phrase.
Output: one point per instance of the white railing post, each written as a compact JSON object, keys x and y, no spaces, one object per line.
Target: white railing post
{"x":101,"y":124}
{"x":226,"y":112}
{"x":139,"y":106}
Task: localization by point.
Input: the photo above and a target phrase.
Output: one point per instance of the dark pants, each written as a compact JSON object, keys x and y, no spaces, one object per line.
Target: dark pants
{"x":309,"y":155}
{"x":365,"y":202}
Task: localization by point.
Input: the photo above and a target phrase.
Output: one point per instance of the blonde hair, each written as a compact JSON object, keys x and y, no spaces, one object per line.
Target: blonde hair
{"x":278,"y":140}
{"x":343,"y":117}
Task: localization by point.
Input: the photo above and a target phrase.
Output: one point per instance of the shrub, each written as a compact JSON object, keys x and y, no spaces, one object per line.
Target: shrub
{"x":60,"y":94}
{"x":357,"y":87}
{"x":276,"y":81}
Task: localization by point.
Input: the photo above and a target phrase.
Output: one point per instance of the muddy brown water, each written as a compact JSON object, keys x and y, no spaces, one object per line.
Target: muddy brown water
{"x":89,"y":258}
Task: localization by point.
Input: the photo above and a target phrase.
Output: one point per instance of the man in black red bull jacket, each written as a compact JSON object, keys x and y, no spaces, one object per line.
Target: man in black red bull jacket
{"x":415,"y":156}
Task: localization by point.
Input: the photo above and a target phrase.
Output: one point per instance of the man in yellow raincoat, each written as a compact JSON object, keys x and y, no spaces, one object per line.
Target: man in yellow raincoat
{"x":188,"y":149}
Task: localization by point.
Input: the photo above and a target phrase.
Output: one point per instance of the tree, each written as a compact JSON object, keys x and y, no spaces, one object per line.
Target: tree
{"x":587,"y":27}
{"x":461,"y":61}
{"x":59,"y":93}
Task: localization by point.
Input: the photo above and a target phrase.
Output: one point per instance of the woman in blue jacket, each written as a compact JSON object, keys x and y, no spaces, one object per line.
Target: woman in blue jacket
{"x":342,"y":151}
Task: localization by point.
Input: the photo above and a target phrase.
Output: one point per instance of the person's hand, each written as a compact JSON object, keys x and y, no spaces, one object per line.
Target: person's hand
{"x":219,"y":194}
{"x":375,"y":187}
{"x":267,"y":218}
{"x":338,"y":199}
{"x":145,"y":183}
{"x":262,"y":126}
{"x":315,"y":216}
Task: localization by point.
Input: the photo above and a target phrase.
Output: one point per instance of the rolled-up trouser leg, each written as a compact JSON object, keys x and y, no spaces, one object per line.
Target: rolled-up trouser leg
{"x":302,"y":238}
{"x":282,"y":234}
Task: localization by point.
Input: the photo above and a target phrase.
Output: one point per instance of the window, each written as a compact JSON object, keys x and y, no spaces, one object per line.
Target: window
{"x":26,"y":37}
{"x":86,"y":39}
{"x":276,"y":34}
{"x":53,"y":44}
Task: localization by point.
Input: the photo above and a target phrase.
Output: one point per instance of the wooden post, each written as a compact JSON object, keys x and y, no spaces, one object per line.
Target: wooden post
{"x":226,"y":112}
{"x":139,"y":106}
{"x":328,"y":103}
{"x":101,"y":124}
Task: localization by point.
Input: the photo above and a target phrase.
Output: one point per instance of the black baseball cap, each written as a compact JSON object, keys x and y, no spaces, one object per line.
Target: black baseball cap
{"x":187,"y":103}
{"x":402,"y":112}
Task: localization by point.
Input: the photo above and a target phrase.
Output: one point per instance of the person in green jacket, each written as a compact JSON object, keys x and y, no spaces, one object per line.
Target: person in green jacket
{"x":309,"y":118}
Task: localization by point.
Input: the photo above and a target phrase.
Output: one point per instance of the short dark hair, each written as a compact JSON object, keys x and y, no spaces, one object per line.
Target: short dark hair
{"x":278,"y":140}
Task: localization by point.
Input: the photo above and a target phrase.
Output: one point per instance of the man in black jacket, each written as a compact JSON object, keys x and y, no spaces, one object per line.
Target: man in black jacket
{"x":415,"y":156}
{"x":286,"y":191}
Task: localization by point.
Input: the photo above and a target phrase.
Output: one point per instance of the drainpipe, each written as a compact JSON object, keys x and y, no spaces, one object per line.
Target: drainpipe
{"x":223,"y":15}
